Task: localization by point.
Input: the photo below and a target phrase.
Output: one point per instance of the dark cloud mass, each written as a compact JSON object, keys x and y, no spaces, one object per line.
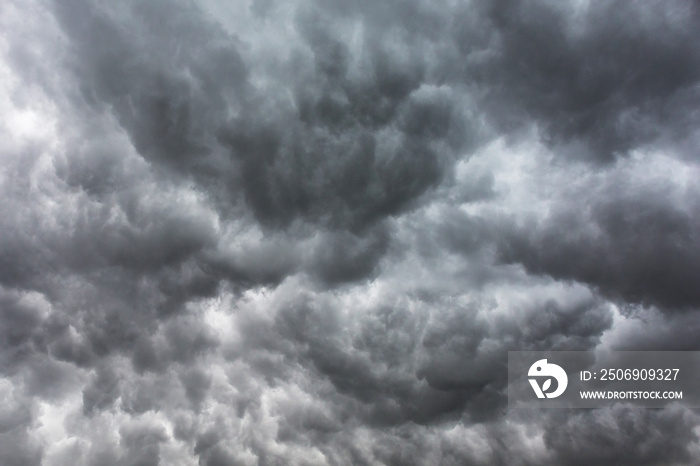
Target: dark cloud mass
{"x":309,"y":232}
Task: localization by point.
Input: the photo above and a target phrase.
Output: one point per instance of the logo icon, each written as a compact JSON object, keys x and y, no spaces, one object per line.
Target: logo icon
{"x":543,"y":369}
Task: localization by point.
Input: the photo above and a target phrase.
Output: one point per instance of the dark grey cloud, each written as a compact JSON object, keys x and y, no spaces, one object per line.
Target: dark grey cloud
{"x":638,"y":246}
{"x":605,"y":78}
{"x":309,"y":232}
{"x":624,"y":435}
{"x":394,"y":364}
{"x":326,"y":152}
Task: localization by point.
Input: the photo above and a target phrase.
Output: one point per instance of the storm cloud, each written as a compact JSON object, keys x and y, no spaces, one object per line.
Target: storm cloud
{"x":305,"y":232}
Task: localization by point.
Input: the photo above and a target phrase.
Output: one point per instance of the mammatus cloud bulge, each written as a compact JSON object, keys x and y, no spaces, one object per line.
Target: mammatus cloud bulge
{"x":309,"y":232}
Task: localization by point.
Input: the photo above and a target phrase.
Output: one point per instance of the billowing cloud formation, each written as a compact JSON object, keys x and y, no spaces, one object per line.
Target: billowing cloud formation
{"x":265,"y":232}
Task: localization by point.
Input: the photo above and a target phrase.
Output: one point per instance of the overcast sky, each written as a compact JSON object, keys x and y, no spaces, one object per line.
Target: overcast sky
{"x":307,"y":232}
